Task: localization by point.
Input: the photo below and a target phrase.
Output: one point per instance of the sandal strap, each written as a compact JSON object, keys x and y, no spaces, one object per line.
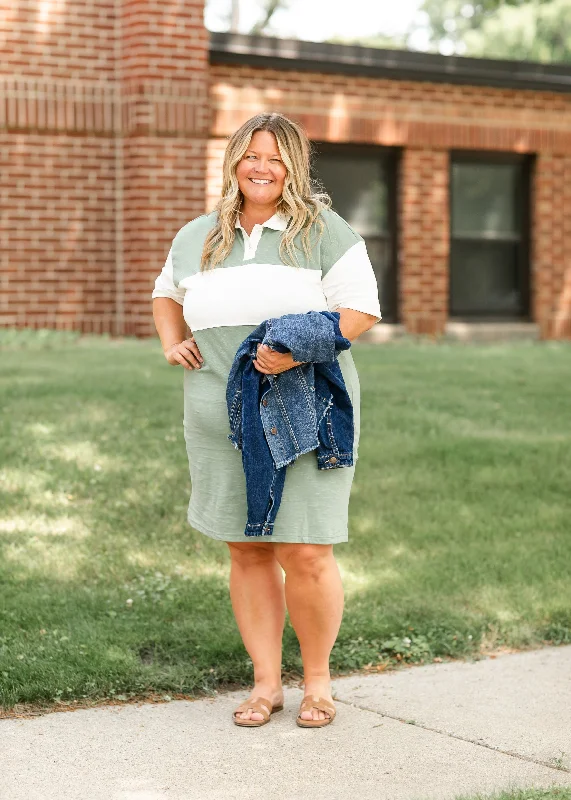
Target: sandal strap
{"x":259,"y":705}
{"x":321,"y":703}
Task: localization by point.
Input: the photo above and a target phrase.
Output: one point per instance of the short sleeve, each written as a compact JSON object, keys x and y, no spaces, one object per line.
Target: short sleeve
{"x":349,"y":279}
{"x":164,"y":284}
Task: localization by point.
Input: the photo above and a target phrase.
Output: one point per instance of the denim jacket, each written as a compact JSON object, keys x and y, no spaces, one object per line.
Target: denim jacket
{"x":274,"y":419}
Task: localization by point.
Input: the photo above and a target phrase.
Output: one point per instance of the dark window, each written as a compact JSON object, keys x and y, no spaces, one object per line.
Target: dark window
{"x":361,"y":183}
{"x":489,"y":264}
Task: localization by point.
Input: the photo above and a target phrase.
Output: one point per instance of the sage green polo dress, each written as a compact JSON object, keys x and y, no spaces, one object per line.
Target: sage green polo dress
{"x":222,"y":307}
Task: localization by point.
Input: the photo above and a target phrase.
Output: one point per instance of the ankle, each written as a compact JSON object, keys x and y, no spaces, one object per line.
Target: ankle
{"x":270,"y":684}
{"x":317,"y":683}
{"x":321,"y":676}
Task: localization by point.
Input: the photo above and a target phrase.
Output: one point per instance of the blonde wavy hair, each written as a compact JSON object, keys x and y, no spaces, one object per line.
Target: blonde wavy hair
{"x":298,"y":197}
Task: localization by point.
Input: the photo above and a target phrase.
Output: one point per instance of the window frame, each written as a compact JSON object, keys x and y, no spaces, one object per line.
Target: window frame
{"x":522,"y":210}
{"x":391,"y":157}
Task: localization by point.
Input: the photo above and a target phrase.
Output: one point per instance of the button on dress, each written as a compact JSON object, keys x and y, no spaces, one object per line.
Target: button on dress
{"x":222,"y":307}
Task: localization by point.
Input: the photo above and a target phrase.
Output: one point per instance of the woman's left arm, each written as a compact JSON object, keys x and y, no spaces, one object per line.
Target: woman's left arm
{"x":353,"y":323}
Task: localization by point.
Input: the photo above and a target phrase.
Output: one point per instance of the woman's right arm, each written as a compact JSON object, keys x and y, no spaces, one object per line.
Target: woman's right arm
{"x":172,"y":329}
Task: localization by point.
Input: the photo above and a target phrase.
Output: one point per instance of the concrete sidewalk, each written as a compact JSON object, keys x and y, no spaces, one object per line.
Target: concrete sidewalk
{"x":423,"y":732}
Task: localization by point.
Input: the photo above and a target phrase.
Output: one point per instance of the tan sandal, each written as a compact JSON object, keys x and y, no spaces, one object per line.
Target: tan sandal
{"x":310,"y":702}
{"x":259,"y":706}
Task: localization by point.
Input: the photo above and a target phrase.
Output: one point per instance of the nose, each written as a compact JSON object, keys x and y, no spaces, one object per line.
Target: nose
{"x":262,"y":165}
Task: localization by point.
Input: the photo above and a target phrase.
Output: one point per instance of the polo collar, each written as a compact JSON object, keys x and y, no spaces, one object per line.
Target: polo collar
{"x":277,"y":222}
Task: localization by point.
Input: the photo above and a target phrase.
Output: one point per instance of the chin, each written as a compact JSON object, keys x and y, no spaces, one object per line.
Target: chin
{"x":261,"y":197}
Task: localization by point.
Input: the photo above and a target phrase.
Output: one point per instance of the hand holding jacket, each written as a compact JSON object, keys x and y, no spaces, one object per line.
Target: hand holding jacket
{"x":271,"y":362}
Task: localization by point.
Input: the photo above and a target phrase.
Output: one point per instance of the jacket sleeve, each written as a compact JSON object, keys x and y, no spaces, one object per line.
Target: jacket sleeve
{"x":311,"y":337}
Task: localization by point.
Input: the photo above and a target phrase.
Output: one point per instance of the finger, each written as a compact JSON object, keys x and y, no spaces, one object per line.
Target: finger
{"x":264,"y":350}
{"x":189,"y":355}
{"x":191,"y":344}
{"x":260,"y":368}
{"x":182,"y":360}
{"x":263,"y":359}
{"x":273,"y":367}
{"x":269,"y":356}
{"x":263,"y":363}
{"x":266,"y":366}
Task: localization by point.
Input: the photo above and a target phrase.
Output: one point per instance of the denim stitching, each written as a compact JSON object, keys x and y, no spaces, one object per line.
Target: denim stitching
{"x":304,"y":386}
{"x":330,"y":429}
{"x":285,"y":415}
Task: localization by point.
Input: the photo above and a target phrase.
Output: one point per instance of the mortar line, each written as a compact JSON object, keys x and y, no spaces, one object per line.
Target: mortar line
{"x":118,"y":324}
{"x":457,"y":736}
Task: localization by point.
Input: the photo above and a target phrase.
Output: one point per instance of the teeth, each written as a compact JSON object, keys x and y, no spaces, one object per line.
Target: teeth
{"x":257,"y":180}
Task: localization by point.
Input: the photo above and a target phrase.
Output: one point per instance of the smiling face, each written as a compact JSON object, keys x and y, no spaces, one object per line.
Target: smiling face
{"x":261,"y":173}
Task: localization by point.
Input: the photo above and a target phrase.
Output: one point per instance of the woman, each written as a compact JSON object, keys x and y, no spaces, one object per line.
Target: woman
{"x":271,"y":247}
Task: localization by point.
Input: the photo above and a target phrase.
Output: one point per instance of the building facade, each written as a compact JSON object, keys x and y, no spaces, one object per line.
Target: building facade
{"x":114,"y":116}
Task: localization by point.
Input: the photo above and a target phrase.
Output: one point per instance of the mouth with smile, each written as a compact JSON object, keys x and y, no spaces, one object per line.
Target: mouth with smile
{"x":260,"y":181}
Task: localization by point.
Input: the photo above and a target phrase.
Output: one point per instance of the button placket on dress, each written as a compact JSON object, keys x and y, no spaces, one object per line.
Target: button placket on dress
{"x":252,"y":241}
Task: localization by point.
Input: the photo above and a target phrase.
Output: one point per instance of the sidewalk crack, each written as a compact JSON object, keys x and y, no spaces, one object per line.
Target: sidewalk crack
{"x":520,"y":756}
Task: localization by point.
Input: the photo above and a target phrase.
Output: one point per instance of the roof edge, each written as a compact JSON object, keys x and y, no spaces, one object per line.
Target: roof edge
{"x":294,"y":54}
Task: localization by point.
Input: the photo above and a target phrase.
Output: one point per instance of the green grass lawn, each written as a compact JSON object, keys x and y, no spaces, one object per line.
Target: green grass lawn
{"x":553,"y":793}
{"x":459,"y":541}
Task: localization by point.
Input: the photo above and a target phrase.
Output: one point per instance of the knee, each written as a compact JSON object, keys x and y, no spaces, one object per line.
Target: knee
{"x":251,"y":553}
{"x":309,"y":560}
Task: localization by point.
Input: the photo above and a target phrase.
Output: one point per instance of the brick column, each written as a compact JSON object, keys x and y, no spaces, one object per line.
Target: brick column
{"x":57,"y":161}
{"x":551,"y":245}
{"x":424,"y":240}
{"x":163,"y":72}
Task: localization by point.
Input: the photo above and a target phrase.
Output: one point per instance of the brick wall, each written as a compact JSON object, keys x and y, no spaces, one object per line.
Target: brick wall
{"x":57,"y":261}
{"x":69,"y":40}
{"x":427,"y":121}
{"x":113,"y":128}
{"x":104,"y":121}
{"x":424,"y":236}
{"x":551,"y":254}
{"x":214,"y":160}
{"x":164,"y":79}
{"x":57,"y":160}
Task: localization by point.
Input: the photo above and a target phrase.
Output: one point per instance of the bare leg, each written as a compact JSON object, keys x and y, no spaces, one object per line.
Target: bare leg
{"x":314,"y":597}
{"x":258,"y":602}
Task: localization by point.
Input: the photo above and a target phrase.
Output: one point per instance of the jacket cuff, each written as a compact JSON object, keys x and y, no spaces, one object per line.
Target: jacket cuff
{"x":327,"y":461}
{"x":259,"y":529}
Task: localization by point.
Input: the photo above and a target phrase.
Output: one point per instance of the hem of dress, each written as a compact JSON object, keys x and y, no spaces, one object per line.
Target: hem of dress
{"x":201,"y":528}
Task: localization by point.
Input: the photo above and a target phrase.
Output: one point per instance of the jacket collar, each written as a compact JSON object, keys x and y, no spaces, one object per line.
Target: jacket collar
{"x":278,"y":222}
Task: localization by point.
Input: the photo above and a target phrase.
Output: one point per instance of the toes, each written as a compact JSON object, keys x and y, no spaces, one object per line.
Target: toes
{"x":249,"y":714}
{"x":314,"y":714}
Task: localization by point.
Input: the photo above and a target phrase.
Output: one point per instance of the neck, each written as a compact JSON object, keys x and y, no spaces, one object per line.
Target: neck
{"x":255,"y":213}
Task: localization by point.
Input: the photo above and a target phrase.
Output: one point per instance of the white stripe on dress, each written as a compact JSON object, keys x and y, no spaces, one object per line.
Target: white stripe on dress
{"x":249,"y":294}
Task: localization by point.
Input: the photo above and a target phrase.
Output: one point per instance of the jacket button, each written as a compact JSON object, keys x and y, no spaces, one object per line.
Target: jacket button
{"x":264,"y":402}
{"x":273,"y":430}
{"x":332,"y":460}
